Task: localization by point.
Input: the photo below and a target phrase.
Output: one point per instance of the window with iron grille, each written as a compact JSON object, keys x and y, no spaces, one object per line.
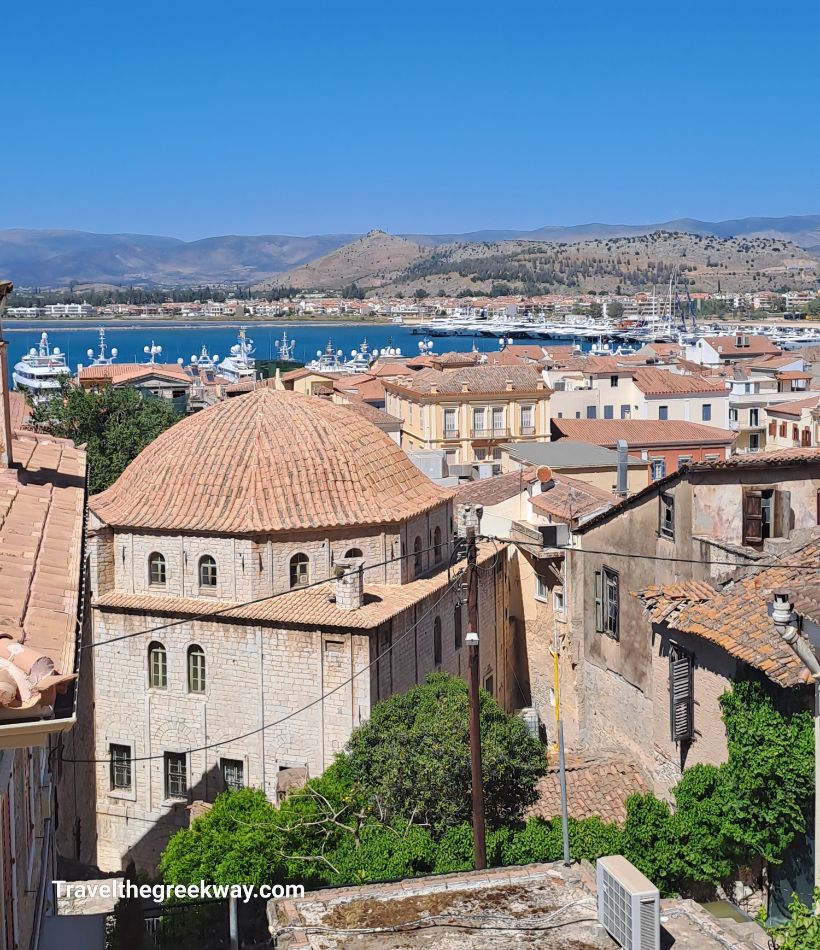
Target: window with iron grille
{"x":207,"y":571}
{"x":607,"y":602}
{"x":176,"y":775}
{"x":120,"y":766}
{"x":196,"y":670}
{"x":681,"y":694}
{"x":157,"y":666}
{"x":667,"y":516}
{"x":233,"y":774}
{"x":156,"y":569}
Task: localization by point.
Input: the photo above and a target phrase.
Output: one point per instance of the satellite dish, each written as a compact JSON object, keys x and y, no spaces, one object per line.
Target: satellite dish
{"x":89,"y":352}
{"x":318,"y":353}
{"x":544,"y":474}
{"x":32,"y":351}
{"x":146,"y":349}
{"x":216,"y":356}
{"x":56,"y":351}
{"x":194,"y":360}
{"x":179,"y":360}
{"x":398,"y":351}
{"x":354,"y":353}
{"x":159,"y":349}
{"x":374,"y":353}
{"x":114,"y":351}
{"x":339,"y":353}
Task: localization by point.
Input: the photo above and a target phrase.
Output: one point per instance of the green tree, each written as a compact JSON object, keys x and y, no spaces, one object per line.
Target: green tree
{"x":802,"y":932}
{"x":114,"y":424}
{"x":614,"y":309}
{"x":412,"y":757}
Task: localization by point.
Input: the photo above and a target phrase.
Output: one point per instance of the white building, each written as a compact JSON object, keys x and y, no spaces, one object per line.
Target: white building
{"x":241,"y":509}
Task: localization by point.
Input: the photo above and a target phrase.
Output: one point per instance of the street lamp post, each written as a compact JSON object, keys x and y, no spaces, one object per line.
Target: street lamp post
{"x":784,"y":619}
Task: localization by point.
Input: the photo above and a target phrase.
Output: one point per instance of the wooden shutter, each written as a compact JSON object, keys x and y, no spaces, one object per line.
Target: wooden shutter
{"x":681,"y":698}
{"x":752,"y":517}
{"x":781,"y":514}
{"x":7,"y":870}
{"x":599,"y":601}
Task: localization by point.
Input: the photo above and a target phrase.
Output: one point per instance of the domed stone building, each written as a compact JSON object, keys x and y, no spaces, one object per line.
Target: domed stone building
{"x":284,"y":553}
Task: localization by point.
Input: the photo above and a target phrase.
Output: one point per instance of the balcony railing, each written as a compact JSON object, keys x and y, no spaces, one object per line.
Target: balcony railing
{"x":451,"y":434}
{"x":502,"y":432}
{"x":527,"y":430}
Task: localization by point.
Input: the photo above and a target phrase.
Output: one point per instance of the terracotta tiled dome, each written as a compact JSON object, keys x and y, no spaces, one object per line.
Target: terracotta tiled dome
{"x":269,"y":461}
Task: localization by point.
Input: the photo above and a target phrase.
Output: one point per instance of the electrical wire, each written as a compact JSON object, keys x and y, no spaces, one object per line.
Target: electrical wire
{"x":656,"y":557}
{"x":219,"y":611}
{"x":296,"y":712}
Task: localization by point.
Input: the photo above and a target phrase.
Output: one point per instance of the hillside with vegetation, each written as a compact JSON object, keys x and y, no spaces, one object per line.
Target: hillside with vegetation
{"x":613,"y":265}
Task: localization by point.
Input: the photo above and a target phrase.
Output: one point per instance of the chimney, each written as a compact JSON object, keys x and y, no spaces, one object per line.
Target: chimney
{"x":349,"y":583}
{"x":465,"y":387}
{"x":623,"y":468}
{"x":469,"y":516}
{"x":6,"y":288}
{"x":508,"y":385}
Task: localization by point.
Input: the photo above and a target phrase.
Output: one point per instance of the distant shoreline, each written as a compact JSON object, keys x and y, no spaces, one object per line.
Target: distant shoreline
{"x":153,"y":323}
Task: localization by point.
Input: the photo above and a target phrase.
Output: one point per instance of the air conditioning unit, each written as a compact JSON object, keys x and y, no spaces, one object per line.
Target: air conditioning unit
{"x":628,"y":904}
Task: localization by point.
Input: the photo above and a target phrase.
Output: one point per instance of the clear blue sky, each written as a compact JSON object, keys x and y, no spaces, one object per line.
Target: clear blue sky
{"x":259,"y":116}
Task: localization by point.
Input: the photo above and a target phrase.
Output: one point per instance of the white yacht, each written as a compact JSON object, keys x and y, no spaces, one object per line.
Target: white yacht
{"x":240,"y":364}
{"x":41,"y":370}
{"x":204,"y":363}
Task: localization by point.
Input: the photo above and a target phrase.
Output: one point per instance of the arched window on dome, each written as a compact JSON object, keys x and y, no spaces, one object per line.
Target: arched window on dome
{"x":353,"y":552}
{"x":437,"y":543}
{"x":157,"y":666}
{"x":299,"y":570}
{"x":418,"y":562}
{"x":196,"y":669}
{"x":207,"y":571}
{"x":156,"y":569}
{"x":437,"y":642}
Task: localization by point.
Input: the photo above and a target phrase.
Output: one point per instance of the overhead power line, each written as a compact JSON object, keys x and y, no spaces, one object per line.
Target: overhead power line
{"x":319,"y":699}
{"x":220,"y":611}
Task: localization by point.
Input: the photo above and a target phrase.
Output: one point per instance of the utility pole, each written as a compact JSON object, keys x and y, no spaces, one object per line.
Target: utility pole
{"x":479,"y":844}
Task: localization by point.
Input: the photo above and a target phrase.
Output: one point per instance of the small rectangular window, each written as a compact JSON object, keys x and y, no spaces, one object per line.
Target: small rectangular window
{"x":558,"y":601}
{"x":657,"y":469}
{"x":706,"y":412}
{"x":540,"y":588}
{"x":233,"y":774}
{"x":176,"y":775}
{"x":609,"y":412}
{"x":667,"y":517}
{"x":663,"y":412}
{"x":120,"y":766}
{"x":613,"y":380}
{"x":683,"y":460}
{"x":450,"y":422}
{"x":625,"y":410}
{"x":592,"y":412}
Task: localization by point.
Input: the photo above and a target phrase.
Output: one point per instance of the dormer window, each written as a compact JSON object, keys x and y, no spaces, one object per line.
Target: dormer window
{"x":207,"y":571}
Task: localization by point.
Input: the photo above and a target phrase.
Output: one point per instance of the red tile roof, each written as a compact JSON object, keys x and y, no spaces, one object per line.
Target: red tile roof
{"x":660,"y":382}
{"x":758,"y":345}
{"x":42,"y":504}
{"x":642,"y":432}
{"x":793,"y":407}
{"x":266,"y":462}
{"x":570,"y":499}
{"x":735,"y":616}
{"x":472,"y":379}
{"x":780,"y":457}
{"x":121,"y":373}
{"x":595,"y":787}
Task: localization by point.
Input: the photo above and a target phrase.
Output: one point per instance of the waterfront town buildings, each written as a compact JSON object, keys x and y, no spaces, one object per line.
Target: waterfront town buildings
{"x":283,"y":549}
{"x":468,"y":413}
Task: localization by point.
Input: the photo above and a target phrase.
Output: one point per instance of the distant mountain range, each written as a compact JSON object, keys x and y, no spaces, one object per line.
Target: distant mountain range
{"x":50,"y":258}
